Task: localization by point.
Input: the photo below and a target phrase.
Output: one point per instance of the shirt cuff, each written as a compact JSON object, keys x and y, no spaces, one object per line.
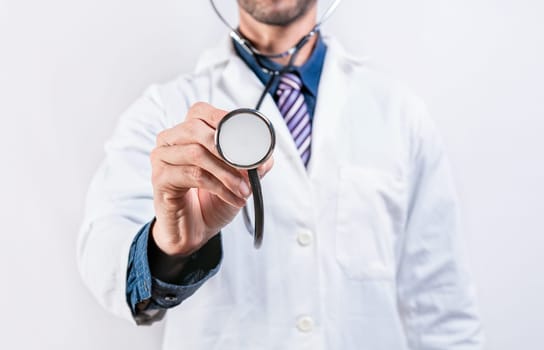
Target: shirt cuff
{"x":145,"y":292}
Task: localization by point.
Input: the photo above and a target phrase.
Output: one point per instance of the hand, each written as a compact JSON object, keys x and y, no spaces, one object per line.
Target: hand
{"x":195,"y":192}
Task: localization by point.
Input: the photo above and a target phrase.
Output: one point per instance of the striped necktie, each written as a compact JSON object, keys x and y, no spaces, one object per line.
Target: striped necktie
{"x":294,"y":110}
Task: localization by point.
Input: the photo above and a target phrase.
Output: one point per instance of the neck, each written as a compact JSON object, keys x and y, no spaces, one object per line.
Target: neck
{"x":272,"y":39}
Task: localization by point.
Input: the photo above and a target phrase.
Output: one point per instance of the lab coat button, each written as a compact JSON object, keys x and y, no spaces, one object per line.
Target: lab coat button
{"x":304,"y":238}
{"x":305,"y":324}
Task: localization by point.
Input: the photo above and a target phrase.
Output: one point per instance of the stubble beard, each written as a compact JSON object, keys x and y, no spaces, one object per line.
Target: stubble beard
{"x":265,"y":12}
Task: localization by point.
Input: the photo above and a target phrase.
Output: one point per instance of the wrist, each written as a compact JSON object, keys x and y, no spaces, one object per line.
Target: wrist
{"x":165,"y":265}
{"x":171,"y":241}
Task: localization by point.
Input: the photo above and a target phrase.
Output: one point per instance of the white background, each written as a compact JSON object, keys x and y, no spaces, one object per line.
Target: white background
{"x":68,"y":69}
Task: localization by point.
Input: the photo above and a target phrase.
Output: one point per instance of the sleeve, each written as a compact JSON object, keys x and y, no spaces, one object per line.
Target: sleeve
{"x":120,"y":199}
{"x":149,"y":297}
{"x":435,"y":295}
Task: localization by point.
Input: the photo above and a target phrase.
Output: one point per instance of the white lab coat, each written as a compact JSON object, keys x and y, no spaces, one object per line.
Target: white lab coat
{"x":361,"y":251}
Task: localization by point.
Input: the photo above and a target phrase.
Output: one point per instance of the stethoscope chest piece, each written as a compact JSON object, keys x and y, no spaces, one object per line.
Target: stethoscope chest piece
{"x":245,"y":139}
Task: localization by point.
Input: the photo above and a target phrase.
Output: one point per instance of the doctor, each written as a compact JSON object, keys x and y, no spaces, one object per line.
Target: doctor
{"x":362,"y":246}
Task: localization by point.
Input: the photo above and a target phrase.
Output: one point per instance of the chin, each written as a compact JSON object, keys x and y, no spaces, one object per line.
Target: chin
{"x":276,"y":12}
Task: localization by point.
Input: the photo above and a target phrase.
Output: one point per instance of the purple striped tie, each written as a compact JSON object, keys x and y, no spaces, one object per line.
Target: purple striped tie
{"x":294,"y":110}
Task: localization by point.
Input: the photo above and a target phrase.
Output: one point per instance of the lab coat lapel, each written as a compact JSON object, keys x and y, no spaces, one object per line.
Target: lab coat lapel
{"x":331,"y":100}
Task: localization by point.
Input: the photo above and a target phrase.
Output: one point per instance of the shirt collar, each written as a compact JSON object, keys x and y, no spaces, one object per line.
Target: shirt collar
{"x":309,"y":72}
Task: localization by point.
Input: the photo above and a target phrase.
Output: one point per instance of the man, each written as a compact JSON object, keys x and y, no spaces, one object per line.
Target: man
{"x":361,"y":247}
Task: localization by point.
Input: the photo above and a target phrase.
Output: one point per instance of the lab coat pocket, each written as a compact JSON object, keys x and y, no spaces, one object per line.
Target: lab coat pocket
{"x":367,"y":219}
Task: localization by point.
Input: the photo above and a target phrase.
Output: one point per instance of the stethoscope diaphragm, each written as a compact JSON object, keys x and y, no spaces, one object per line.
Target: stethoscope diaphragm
{"x":245,"y":138}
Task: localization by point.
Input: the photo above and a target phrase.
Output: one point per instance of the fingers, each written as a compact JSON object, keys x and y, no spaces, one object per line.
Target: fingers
{"x":174,"y":178}
{"x":262,"y":170}
{"x":186,"y":157}
{"x":200,"y":124}
{"x":207,"y":113}
{"x":265,"y":168}
{"x":198,"y":156}
{"x":191,"y":131}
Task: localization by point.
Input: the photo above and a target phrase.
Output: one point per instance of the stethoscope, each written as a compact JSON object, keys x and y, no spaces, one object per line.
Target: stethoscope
{"x":245,"y":137}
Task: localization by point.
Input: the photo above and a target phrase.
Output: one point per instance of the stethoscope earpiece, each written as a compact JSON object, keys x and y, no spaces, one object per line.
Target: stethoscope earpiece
{"x":245,"y":139}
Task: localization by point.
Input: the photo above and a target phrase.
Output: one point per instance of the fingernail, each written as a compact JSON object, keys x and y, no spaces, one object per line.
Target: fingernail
{"x":244,"y":188}
{"x":262,"y":172}
{"x":241,"y":202}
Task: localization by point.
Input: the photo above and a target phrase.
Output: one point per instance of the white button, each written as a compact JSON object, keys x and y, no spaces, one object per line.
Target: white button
{"x":305,"y":324}
{"x":304,"y":238}
{"x":170,"y":297}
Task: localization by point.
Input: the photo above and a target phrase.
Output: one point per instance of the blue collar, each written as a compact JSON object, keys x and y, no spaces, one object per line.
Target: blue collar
{"x":309,"y":72}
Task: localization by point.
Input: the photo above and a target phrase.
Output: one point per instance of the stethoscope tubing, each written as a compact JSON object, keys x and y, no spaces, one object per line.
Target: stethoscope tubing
{"x":258,"y":229}
{"x":246,"y":44}
{"x":253,"y":175}
{"x":258,"y":201}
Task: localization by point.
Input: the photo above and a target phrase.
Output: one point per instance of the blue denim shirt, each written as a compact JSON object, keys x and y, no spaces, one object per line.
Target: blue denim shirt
{"x":142,"y":286}
{"x":145,"y":292}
